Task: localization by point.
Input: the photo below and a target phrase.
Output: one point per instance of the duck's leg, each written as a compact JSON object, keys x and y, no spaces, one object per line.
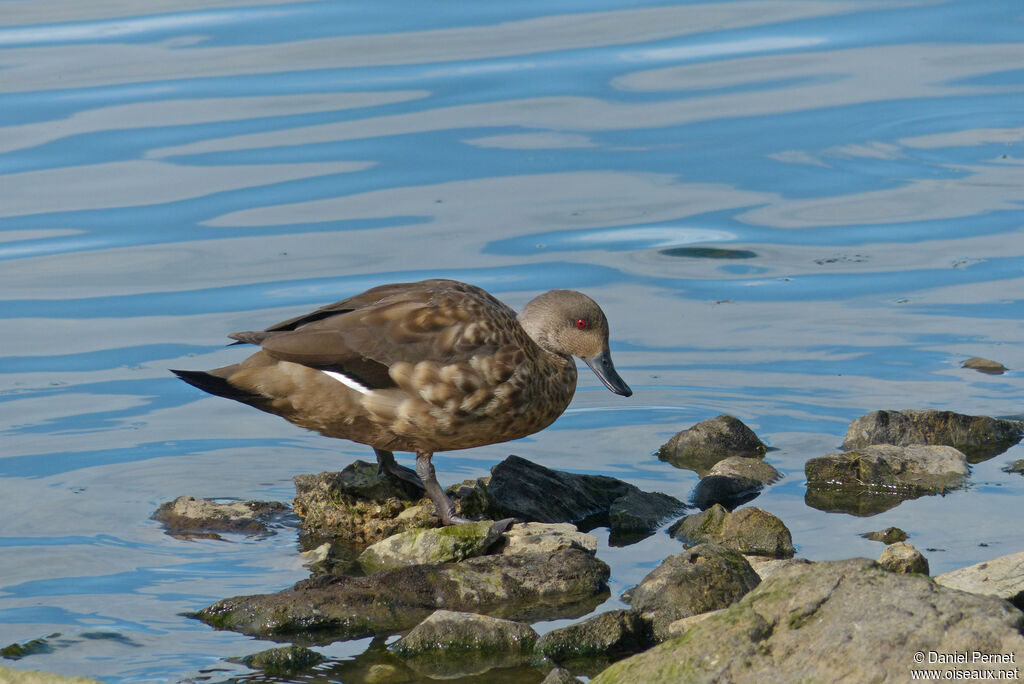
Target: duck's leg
{"x":386,"y":463}
{"x":445,"y":507}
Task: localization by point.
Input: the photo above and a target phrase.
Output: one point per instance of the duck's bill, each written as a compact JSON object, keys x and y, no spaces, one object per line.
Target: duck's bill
{"x":604,"y":369}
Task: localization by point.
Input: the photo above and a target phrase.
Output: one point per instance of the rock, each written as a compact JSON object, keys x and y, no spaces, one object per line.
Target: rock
{"x":911,"y":470}
{"x":709,"y":441}
{"x":979,"y":437}
{"x":451,"y":644}
{"x":890,"y":535}
{"x":1002,"y":577}
{"x":615,"y":633}
{"x":358,"y":507}
{"x":748,"y":530}
{"x":765,"y":567}
{"x":846,"y":621}
{"x":706,"y":577}
{"x":431,"y":545}
{"x":324,"y":608}
{"x":560,"y":676}
{"x":191,"y":517}
{"x":683,"y":625}
{"x":639,"y":512}
{"x":1015,"y":467}
{"x":987,"y":366}
{"x":527,"y":491}
{"x":9,"y":676}
{"x":287,"y":660}
{"x":903,"y":558}
{"x":730,"y":492}
{"x":749,"y":468}
{"x":545,"y":538}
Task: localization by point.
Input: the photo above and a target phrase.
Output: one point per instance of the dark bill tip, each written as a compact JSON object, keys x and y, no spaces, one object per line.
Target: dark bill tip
{"x":604,"y":369}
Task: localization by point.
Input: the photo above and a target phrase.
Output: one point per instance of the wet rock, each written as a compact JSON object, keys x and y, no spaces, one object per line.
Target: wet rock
{"x":709,"y":441}
{"x":21,"y":649}
{"x":611,"y":634}
{"x":912,"y":470}
{"x":749,"y":530}
{"x":188,"y":516}
{"x":545,"y":538}
{"x":533,"y":586}
{"x":730,"y":492}
{"x":431,"y":545}
{"x":1015,"y":467}
{"x":706,"y":577}
{"x":749,"y":468}
{"x":1002,"y":577}
{"x":683,"y":625}
{"x":890,"y":535}
{"x":358,"y":507}
{"x":829,"y":621}
{"x":640,"y":512}
{"x":451,"y":644}
{"x":9,"y":676}
{"x":987,"y":366}
{"x":978,"y":437}
{"x":765,"y":566}
{"x":287,"y":660}
{"x":560,"y":676}
{"x":902,"y":558}
{"x":527,"y":491}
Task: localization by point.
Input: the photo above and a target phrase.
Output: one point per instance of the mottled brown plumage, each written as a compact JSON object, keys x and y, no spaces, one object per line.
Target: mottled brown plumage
{"x":430,"y":366}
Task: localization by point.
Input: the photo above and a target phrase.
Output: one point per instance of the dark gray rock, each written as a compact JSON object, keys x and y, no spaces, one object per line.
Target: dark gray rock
{"x":729,"y":491}
{"x":986,"y":366}
{"x":890,"y":535}
{"x":287,"y":660}
{"x":978,"y":437}
{"x":188,"y":516}
{"x":902,"y":558}
{"x":749,"y":530}
{"x":912,"y":470}
{"x":639,"y":511}
{"x":451,"y":644}
{"x":847,"y":621}
{"x":709,"y":441}
{"x":706,"y":577}
{"x":325,"y":608}
{"x":1002,"y":577}
{"x":611,"y":634}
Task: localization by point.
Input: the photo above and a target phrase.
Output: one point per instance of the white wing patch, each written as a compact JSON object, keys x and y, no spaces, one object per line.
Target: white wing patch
{"x":347,"y":381}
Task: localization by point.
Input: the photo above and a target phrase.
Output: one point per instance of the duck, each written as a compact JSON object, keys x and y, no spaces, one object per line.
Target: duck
{"x":423,"y":367}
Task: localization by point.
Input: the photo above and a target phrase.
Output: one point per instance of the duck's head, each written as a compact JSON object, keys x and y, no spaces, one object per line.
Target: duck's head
{"x":570,"y":323}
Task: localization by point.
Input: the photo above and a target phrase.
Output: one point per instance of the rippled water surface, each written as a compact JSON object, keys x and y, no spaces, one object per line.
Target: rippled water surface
{"x":792,"y":211}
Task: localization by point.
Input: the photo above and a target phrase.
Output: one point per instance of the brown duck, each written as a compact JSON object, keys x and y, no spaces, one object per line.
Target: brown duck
{"x":430,"y":366}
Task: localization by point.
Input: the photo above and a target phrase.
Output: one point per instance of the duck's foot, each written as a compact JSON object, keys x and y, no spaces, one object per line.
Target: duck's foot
{"x":388,"y":466}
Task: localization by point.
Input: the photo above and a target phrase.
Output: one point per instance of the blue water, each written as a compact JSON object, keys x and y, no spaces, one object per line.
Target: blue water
{"x":793,"y":212}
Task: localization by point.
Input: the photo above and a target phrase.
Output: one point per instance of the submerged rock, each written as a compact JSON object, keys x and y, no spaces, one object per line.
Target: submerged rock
{"x":903,"y":558}
{"x":913,"y":470}
{"x":325,"y":608}
{"x":287,"y":660}
{"x":709,"y":441}
{"x":545,"y":538}
{"x":607,"y":635}
{"x":431,"y":545}
{"x":359,"y":507}
{"x":188,"y":516}
{"x":982,"y":365}
{"x":978,"y":437}
{"x":1015,"y":467}
{"x":748,"y":530}
{"x":706,"y":577}
{"x":890,"y":535}
{"x":1002,"y":577}
{"x":453,"y":644}
{"x":826,"y":622}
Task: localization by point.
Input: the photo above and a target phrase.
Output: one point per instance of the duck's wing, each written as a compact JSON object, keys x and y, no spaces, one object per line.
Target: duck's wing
{"x":363,"y":337}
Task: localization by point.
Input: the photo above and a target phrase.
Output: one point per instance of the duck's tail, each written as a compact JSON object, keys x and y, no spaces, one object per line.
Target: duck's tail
{"x":215,"y":384}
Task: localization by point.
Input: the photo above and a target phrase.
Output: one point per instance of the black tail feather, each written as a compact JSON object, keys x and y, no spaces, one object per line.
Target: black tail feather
{"x":214,"y":384}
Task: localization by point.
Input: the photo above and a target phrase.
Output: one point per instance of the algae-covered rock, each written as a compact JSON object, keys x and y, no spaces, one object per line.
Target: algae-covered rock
{"x":610,"y":634}
{"x":706,"y":577}
{"x":903,"y":558}
{"x":830,"y":621}
{"x":699,"y":447}
{"x":978,"y":437}
{"x":545,"y":538}
{"x":1015,"y":467}
{"x":1002,"y":577}
{"x":915,"y":469}
{"x":287,"y":660}
{"x":188,"y":516}
{"x":358,"y":507}
{"x":749,"y":530}
{"x":431,"y":545}
{"x":890,"y":535}
{"x":534,"y":586}
{"x":451,"y":644}
{"x":9,"y":676}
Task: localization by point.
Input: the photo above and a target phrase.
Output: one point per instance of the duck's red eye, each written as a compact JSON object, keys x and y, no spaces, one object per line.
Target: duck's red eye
{"x":581,"y":323}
